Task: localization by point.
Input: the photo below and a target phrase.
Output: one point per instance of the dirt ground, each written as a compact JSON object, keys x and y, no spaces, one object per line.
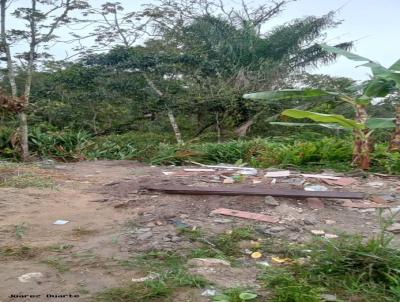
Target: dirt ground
{"x":111,"y":219}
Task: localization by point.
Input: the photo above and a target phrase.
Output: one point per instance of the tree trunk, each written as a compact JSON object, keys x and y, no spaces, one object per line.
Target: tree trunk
{"x":395,"y":140}
{"x":170,"y":113}
{"x":23,"y":130}
{"x":218,"y":127}
{"x":175,"y":127}
{"x":363,"y":145}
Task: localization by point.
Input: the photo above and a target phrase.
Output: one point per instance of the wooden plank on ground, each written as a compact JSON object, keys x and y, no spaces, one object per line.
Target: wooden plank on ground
{"x":252,"y":191}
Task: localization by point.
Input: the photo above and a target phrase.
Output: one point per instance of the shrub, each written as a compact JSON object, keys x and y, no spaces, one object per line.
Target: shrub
{"x":62,"y":145}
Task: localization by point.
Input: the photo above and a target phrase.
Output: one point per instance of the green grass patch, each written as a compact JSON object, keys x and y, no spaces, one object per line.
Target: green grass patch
{"x":27,"y":180}
{"x":18,"y":253}
{"x":171,"y":275}
{"x":57,"y":263}
{"x":348,"y":267}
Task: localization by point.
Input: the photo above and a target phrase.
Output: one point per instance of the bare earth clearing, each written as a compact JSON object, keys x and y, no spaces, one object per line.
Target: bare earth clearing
{"x":111,"y":220}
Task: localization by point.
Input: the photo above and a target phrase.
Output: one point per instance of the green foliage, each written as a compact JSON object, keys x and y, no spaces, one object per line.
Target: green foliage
{"x":347,"y":266}
{"x":64,"y":145}
{"x":227,"y":243}
{"x":235,"y":295}
{"x":6,"y":148}
{"x":289,"y":288}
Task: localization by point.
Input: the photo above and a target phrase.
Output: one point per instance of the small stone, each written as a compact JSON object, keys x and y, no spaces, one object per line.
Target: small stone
{"x":277,"y":229}
{"x":315,"y":203}
{"x":329,"y":298}
{"x":142,"y":230}
{"x":222,"y":220}
{"x":145,"y":236}
{"x":130,"y":242}
{"x":295,"y":228}
{"x":229,"y":180}
{"x":175,"y":239}
{"x":394,"y":228}
{"x":328,"y":221}
{"x":309,"y":221}
{"x":318,"y":232}
{"x":269,"y":200}
{"x":151,"y":224}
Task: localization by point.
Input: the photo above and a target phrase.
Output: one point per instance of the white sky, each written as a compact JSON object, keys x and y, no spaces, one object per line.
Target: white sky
{"x":373,"y":24}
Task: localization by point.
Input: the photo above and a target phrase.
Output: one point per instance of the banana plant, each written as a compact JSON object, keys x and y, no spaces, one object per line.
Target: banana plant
{"x":384,"y":81}
{"x":362,"y":126}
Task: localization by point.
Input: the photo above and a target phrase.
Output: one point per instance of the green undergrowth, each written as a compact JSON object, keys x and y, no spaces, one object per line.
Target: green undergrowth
{"x":310,"y":153}
{"x":350,"y":267}
{"x":170,"y":275}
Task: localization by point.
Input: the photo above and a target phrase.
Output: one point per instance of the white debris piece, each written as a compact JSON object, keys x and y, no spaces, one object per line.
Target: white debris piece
{"x":320,"y":176}
{"x":27,"y":277}
{"x":315,"y":188}
{"x":60,"y":222}
{"x":283,"y":173}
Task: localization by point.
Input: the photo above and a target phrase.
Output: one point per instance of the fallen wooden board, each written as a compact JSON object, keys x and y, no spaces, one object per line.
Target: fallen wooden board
{"x":246,"y":215}
{"x":252,"y":191}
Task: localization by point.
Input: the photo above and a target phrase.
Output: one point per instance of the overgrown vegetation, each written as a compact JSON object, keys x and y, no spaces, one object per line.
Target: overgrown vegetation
{"x":352,"y":268}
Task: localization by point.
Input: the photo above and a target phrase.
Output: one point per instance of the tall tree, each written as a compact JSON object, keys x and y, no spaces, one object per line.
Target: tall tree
{"x":41,"y":20}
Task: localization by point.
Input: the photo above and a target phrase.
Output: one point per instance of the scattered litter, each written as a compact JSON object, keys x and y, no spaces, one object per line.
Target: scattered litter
{"x":269,"y":200}
{"x":250,"y":171}
{"x":330,"y":236}
{"x":318,"y":232}
{"x":60,"y":222}
{"x":394,"y":228}
{"x":350,"y":204}
{"x":315,"y":188}
{"x":246,"y":215}
{"x":375,"y":184}
{"x":207,"y":262}
{"x":263,"y":263}
{"x":281,"y":260}
{"x":210,"y":292}
{"x":199,"y":170}
{"x":27,"y":277}
{"x":168,"y":173}
{"x":256,"y":255}
{"x":229,"y":180}
{"x":224,"y":167}
{"x":284,"y":173}
{"x":247,"y":251}
{"x":342,"y":181}
{"x":315,"y":203}
{"x":273,"y":181}
{"x":320,"y":176}
{"x":329,"y":298}
{"x":328,"y":221}
{"x":256,"y":181}
{"x":149,"y":277}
